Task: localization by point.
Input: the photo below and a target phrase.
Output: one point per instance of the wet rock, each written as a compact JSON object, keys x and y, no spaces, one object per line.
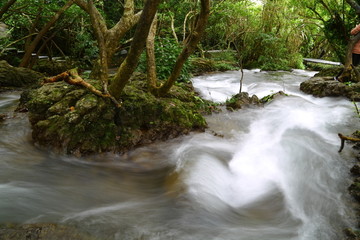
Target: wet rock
{"x":354,"y":189}
{"x":52,"y":67}
{"x":324,"y":87}
{"x":330,"y":71}
{"x":355,"y":170}
{"x":72,"y":120}
{"x":16,"y":77}
{"x":328,"y":86}
{"x":41,"y":231}
{"x":2,"y":117}
{"x":351,"y":234}
{"x":272,"y":97}
{"x":242,"y":100}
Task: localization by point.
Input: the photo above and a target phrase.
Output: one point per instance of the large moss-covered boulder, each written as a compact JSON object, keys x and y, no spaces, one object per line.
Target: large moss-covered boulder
{"x":71,"y":119}
{"x":321,"y":86}
{"x":17,"y":77}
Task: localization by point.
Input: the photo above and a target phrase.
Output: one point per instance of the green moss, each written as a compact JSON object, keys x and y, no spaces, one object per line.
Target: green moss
{"x":70,"y":118}
{"x":86,"y":103}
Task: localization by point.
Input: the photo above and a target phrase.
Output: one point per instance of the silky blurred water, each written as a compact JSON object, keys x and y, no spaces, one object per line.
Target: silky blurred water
{"x":274,"y":173}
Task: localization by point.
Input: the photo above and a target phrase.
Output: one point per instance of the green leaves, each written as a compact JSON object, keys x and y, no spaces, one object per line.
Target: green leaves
{"x":166,"y":53}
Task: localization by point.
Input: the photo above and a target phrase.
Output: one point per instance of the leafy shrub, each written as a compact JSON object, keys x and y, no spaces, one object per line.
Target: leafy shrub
{"x":166,"y":52}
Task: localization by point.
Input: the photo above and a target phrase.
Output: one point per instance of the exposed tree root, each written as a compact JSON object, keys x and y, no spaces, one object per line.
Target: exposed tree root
{"x":343,"y":138}
{"x":72,"y":77}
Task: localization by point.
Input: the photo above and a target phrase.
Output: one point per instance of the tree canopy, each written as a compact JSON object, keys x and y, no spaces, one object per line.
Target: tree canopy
{"x":267,"y":34}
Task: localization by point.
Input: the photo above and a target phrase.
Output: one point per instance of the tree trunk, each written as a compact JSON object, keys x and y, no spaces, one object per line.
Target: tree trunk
{"x":27,"y":56}
{"x":348,"y":59}
{"x":6,"y":7}
{"x":108,"y":39}
{"x":354,"y":5}
{"x":150,"y":58}
{"x":346,"y":73}
{"x":100,"y":30}
{"x":128,"y":66}
{"x":188,"y":49}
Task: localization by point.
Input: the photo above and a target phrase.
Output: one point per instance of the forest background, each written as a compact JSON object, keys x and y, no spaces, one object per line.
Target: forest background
{"x":267,"y":34}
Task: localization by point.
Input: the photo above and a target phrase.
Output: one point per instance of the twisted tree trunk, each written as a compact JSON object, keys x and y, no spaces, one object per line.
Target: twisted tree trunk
{"x":108,"y":39}
{"x":188,"y":49}
{"x":128,"y":66}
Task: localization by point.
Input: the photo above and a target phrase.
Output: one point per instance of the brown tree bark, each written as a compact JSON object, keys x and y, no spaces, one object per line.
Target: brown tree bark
{"x":345,"y":76}
{"x":108,"y":39}
{"x":188,"y":49}
{"x":25,"y":61}
{"x":346,"y":138}
{"x":354,"y":5}
{"x":72,"y":77}
{"x":128,"y":66}
{"x":348,"y":68}
{"x":6,"y":7}
{"x":150,"y":57}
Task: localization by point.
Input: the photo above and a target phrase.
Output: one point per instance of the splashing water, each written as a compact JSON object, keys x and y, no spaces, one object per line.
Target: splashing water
{"x":275,"y":173}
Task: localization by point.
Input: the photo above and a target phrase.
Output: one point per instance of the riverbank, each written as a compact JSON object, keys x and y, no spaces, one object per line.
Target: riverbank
{"x":325,"y":84}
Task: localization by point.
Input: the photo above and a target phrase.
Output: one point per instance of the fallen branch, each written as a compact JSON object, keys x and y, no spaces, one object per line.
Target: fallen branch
{"x":72,"y":77}
{"x":343,"y":138}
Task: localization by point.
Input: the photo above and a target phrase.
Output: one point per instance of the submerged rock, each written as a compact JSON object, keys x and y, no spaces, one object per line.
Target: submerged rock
{"x":17,"y":77}
{"x":243,"y":99}
{"x":71,"y":119}
{"x":41,"y":231}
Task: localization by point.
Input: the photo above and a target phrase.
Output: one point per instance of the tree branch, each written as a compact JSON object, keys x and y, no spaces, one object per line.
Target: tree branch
{"x":6,"y":7}
{"x":354,"y":5}
{"x":343,"y":138}
{"x":26,"y":59}
{"x":128,"y":66}
{"x":189,"y":48}
{"x":72,"y":77}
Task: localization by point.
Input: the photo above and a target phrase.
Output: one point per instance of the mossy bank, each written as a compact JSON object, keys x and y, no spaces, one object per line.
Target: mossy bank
{"x":72,"y":120}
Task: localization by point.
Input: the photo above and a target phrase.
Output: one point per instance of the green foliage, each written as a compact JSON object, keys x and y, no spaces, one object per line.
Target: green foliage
{"x":228,"y":20}
{"x":275,"y":54}
{"x":273,"y":35}
{"x":166,"y":52}
{"x":84,"y":45}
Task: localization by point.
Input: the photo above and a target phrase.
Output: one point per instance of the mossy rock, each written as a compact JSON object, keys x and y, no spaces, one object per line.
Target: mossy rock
{"x":330,"y":87}
{"x":16,"y":77}
{"x":41,"y":231}
{"x":52,"y":68}
{"x":242,"y":100}
{"x":206,"y":65}
{"x":329,"y":71}
{"x":71,"y":119}
{"x":354,"y":189}
{"x":325,"y":84}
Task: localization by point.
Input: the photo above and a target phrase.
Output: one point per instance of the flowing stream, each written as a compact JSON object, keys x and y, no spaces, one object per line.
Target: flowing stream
{"x":260,"y":173}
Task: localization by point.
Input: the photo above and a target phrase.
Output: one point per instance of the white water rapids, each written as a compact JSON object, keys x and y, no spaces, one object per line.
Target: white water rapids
{"x":274,"y":174}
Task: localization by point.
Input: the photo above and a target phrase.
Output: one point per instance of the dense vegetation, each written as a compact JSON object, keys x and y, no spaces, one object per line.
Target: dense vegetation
{"x":267,"y":34}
